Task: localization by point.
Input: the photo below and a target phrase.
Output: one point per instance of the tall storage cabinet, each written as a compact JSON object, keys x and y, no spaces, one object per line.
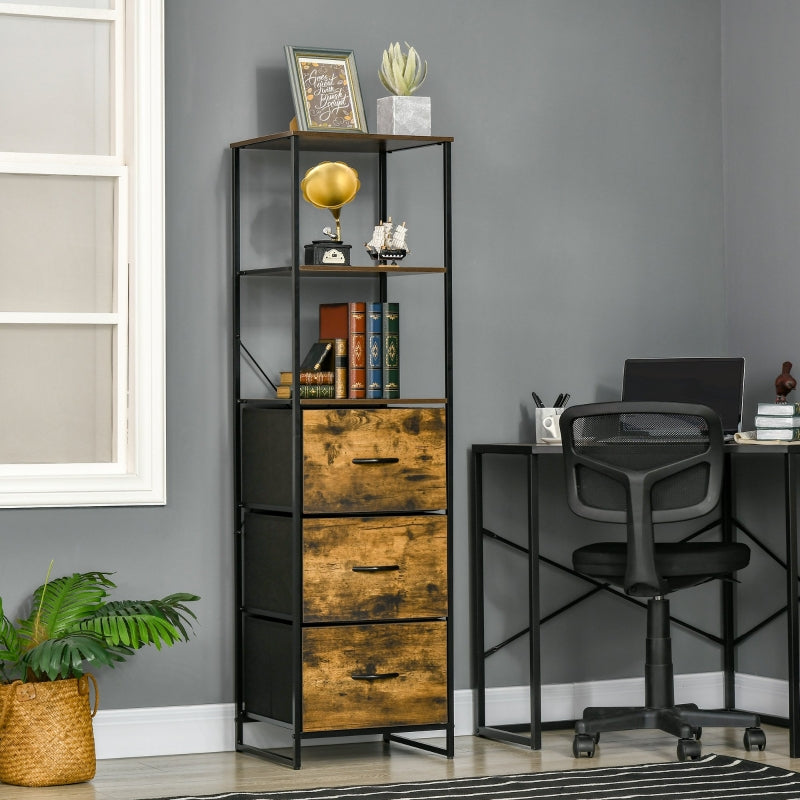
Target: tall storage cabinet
{"x":342,"y":518}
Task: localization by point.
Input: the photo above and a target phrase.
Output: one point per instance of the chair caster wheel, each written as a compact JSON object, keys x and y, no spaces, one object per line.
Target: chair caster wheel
{"x":688,"y":749}
{"x":754,"y":737}
{"x":583,"y":745}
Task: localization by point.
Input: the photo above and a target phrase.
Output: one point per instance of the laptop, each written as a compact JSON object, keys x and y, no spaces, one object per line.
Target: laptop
{"x":714,"y":382}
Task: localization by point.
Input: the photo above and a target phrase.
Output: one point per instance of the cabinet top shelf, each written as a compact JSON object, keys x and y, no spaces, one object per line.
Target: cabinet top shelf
{"x":343,"y":142}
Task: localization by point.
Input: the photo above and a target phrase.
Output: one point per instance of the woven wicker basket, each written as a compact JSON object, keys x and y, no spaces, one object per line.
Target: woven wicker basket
{"x":46,"y":736}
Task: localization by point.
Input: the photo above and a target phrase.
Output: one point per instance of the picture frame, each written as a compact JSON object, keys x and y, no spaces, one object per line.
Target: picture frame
{"x":325,"y":90}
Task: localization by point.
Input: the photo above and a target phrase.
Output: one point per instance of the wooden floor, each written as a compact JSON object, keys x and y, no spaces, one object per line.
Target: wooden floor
{"x":368,"y":763}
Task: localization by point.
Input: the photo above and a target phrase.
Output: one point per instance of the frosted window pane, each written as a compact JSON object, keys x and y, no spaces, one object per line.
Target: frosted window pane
{"x":56,"y":243}
{"x":55,"y":84}
{"x":58,"y":408}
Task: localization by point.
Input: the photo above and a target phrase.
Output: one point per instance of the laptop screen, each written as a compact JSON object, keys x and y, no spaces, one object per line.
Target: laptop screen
{"x":714,"y":382}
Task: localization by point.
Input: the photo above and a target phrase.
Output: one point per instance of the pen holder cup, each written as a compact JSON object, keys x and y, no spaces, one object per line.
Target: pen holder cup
{"x":546,"y":420}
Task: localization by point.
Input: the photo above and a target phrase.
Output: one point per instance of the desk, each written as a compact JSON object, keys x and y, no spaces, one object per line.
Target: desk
{"x":729,"y":641}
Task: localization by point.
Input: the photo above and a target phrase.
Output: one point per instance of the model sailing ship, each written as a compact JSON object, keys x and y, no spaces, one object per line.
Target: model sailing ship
{"x":387,"y":244}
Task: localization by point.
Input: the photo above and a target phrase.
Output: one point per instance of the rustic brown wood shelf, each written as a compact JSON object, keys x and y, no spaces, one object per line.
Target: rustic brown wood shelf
{"x":317,"y":270}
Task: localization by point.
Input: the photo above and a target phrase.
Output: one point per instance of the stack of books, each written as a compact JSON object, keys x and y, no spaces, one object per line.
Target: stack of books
{"x":316,"y":377}
{"x":366,"y":338}
{"x":356,"y":356}
{"x":778,"y":422}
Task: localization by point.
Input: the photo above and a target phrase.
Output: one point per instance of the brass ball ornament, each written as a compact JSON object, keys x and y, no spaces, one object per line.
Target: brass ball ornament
{"x":331,"y":185}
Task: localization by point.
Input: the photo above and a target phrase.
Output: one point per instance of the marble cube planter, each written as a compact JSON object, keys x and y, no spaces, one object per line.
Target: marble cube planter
{"x":405,"y":115}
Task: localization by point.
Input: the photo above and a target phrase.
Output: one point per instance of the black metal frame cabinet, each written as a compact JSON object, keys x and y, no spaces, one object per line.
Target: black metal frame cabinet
{"x":288,"y":678}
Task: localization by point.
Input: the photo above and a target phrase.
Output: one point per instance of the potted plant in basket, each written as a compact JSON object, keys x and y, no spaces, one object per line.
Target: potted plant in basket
{"x":402,"y":74}
{"x":46,"y":733}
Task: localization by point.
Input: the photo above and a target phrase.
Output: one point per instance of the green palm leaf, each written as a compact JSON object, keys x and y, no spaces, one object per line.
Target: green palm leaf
{"x":60,"y":604}
{"x":10,"y":644}
{"x":135,"y":623}
{"x":69,"y":655}
{"x":174,"y":608}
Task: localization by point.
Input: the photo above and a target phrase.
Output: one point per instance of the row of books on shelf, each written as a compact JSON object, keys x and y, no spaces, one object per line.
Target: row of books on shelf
{"x":778,"y":422}
{"x":356,"y":356}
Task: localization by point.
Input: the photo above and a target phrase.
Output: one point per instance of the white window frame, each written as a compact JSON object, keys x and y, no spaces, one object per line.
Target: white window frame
{"x":137,"y":473}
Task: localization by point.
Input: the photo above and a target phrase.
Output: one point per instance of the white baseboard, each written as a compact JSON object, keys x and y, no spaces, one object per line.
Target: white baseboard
{"x":174,"y":730}
{"x":765,"y":695}
{"x":566,"y":701}
{"x":168,"y":730}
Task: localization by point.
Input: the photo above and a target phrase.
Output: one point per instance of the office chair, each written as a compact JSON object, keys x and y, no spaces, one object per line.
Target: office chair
{"x":642,"y":464}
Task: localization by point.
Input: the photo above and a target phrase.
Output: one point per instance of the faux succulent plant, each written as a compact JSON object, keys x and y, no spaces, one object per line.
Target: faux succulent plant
{"x":402,"y":73}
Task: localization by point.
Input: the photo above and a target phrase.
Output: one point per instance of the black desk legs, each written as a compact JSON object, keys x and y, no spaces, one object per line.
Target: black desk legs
{"x":728,"y":595}
{"x":510,"y":732}
{"x":534,"y":608}
{"x":478,"y":641}
{"x":791,"y":484}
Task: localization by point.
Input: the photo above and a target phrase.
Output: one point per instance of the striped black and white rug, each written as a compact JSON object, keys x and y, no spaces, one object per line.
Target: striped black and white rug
{"x":712,"y":777}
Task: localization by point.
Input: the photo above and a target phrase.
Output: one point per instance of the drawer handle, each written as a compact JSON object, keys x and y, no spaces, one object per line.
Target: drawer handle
{"x":378,"y":568}
{"x":379,"y":676}
{"x":384,"y":460}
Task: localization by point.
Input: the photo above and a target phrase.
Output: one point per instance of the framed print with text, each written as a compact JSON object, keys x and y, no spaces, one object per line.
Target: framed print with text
{"x":325,"y":90}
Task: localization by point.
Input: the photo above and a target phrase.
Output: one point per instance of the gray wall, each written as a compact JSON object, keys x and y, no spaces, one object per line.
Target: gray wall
{"x":587,"y":171}
{"x":762,"y":187}
{"x":761,"y":68}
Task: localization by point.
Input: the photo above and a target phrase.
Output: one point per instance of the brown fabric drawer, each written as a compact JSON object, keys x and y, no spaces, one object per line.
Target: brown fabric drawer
{"x":362,"y":568}
{"x":366,"y":676}
{"x":367,"y":460}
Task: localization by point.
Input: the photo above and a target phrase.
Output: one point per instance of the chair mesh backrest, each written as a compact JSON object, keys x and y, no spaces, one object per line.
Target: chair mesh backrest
{"x":678,"y":446}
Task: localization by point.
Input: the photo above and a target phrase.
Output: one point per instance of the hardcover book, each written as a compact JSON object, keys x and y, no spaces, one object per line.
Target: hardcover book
{"x":308,"y":391}
{"x":317,"y":391}
{"x":308,"y":376}
{"x":334,"y":321}
{"x":777,"y":422}
{"x":356,"y":348}
{"x":374,"y":351}
{"x":779,"y":434}
{"x":391,"y":350}
{"x":316,"y":356}
{"x":779,"y":409}
{"x":340,"y":367}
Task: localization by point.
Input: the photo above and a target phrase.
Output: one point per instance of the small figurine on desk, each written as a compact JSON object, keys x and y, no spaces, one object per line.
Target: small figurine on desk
{"x":784,"y":383}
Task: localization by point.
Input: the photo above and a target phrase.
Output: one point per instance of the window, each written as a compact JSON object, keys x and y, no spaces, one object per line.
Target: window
{"x":81,"y":253}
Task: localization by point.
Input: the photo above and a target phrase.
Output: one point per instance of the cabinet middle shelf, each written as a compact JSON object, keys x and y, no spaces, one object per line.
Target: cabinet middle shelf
{"x":268,"y":402}
{"x":319,"y":271}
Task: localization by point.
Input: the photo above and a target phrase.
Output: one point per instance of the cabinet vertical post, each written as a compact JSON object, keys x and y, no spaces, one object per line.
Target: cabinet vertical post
{"x":235,"y":414}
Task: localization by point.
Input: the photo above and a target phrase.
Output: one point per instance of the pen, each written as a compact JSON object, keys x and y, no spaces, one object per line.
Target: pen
{"x":557,"y":403}
{"x":564,"y":400}
{"x":537,"y":400}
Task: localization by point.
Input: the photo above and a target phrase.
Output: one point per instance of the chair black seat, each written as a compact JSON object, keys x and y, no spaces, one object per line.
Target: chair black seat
{"x":679,"y":564}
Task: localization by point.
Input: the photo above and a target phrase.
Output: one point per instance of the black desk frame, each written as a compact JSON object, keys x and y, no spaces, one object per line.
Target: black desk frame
{"x":728,"y":641}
